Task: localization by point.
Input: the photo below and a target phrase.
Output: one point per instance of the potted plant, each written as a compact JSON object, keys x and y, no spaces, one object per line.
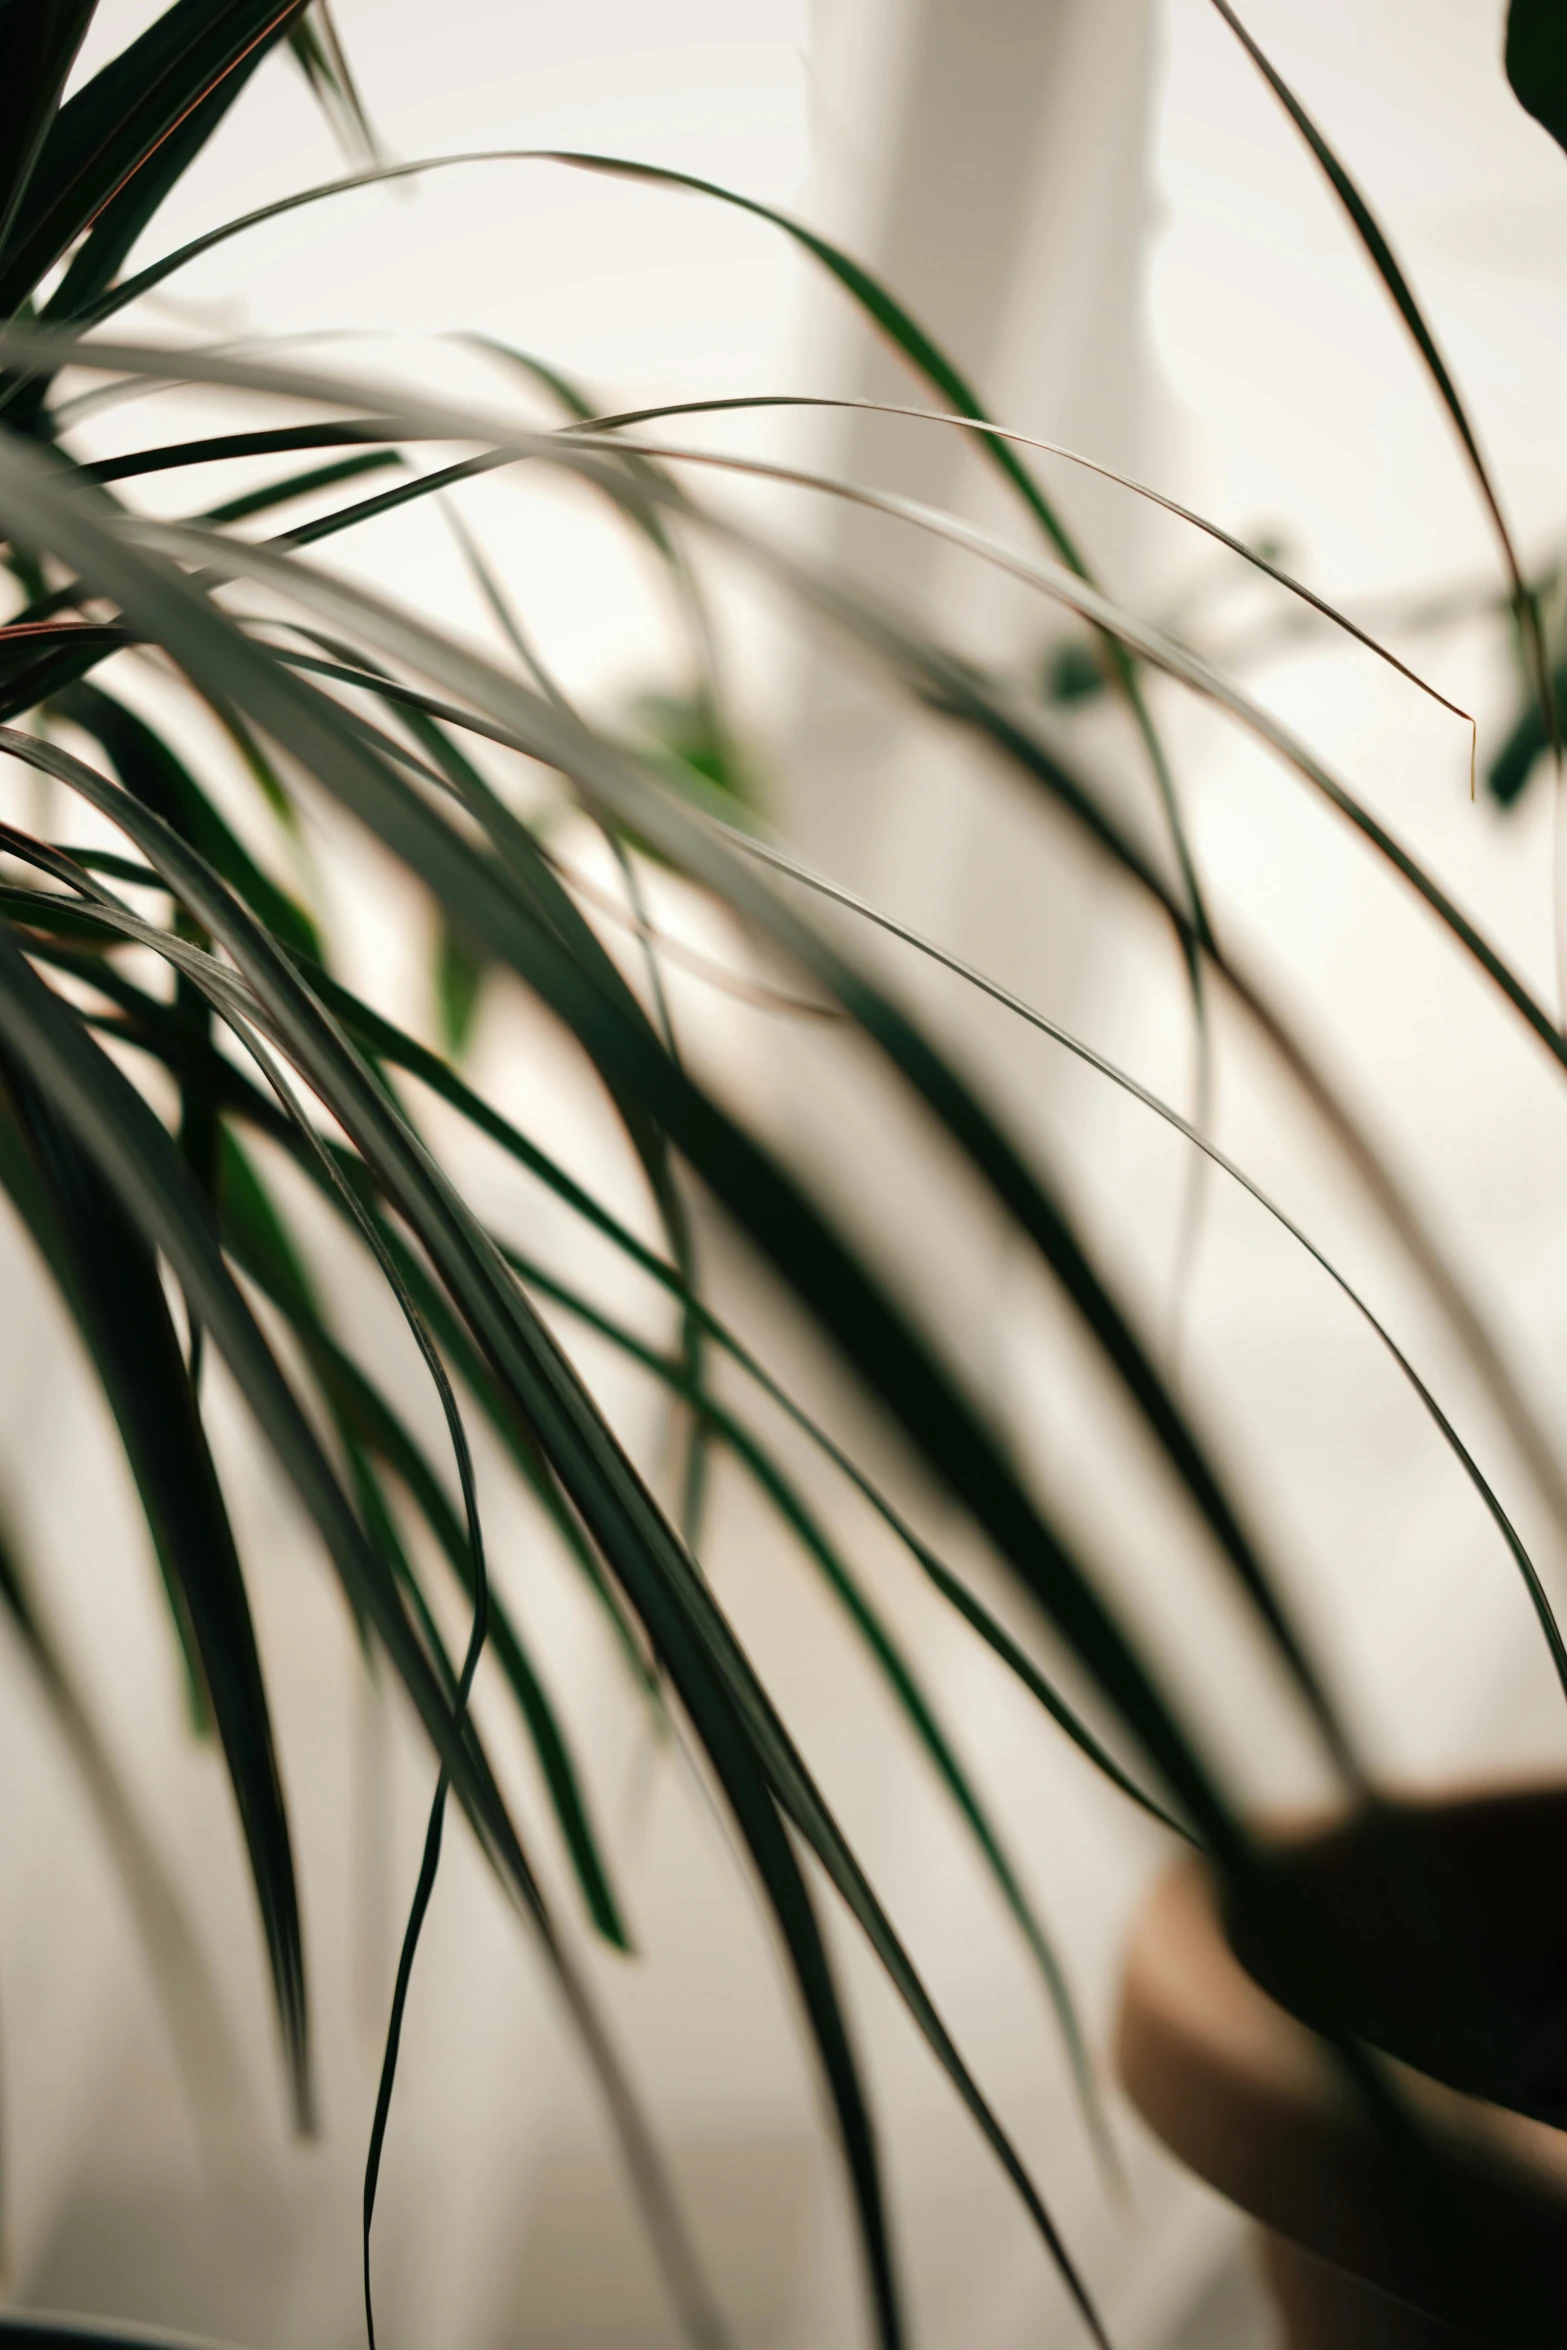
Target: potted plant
{"x":174,"y":1042}
{"x":1455,"y":1974}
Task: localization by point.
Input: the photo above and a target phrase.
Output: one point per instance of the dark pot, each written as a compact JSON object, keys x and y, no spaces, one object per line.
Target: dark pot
{"x":1445,"y":1929}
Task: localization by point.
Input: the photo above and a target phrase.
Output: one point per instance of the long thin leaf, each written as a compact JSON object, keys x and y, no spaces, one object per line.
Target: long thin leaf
{"x":38,"y":44}
{"x":719,"y":1726}
{"x":781,"y":1877}
{"x":322,"y":59}
{"x":916,"y":1705}
{"x":460,"y":1692}
{"x":146,"y":766}
{"x":962,"y":693}
{"x":910,"y":339}
{"x":784,"y":1496}
{"x":629,"y":419}
{"x":115,"y":125}
{"x":115,"y":1289}
{"x":299,"y":485}
{"x":253,"y":1235}
{"x":1386,"y":264}
{"x":222,"y":448}
{"x":152,"y":1026}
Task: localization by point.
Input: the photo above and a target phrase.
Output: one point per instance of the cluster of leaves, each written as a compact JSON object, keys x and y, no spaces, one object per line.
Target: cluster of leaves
{"x":325,"y":688}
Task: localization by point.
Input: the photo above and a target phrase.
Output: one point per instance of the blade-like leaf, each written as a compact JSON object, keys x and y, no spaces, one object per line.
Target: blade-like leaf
{"x":299,"y":485}
{"x":755,"y":1194}
{"x":255,"y":1237}
{"x":115,"y":1290}
{"x":959,"y":692}
{"x":322,"y":59}
{"x":471,"y":1546}
{"x":1252,"y":556}
{"x":38,"y":43}
{"x":1385,"y":262}
{"x":146,"y":765}
{"x":1538,"y":1596}
{"x":151,"y":1026}
{"x":900,"y":1676}
{"x":220,"y":448}
{"x":784,"y":1496}
{"x":113,"y":129}
{"x":938,"y":1416}
{"x":1537,"y":62}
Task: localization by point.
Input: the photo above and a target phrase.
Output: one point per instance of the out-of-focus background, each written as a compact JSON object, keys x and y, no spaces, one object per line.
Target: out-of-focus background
{"x":1098,"y":207}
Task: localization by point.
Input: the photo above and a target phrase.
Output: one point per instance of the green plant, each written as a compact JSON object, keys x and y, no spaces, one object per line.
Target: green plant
{"x":324,"y":689}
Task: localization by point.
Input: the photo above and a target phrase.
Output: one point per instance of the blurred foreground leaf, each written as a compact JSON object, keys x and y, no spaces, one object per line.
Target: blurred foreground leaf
{"x":1537,"y":62}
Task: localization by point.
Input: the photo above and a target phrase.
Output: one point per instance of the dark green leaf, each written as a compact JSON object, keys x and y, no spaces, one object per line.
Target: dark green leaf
{"x":146,"y":765}
{"x":1526,"y":744}
{"x":917,"y":1707}
{"x":459,"y":981}
{"x":961,"y":693}
{"x":324,"y":62}
{"x":299,"y":485}
{"x":151,"y":1028}
{"x":38,"y":42}
{"x":260,"y":1246}
{"x":1537,"y":62}
{"x":1535,"y":1588}
{"x":46,"y":659}
{"x":219,"y":448}
{"x":117,"y":1293}
{"x":141,"y":116}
